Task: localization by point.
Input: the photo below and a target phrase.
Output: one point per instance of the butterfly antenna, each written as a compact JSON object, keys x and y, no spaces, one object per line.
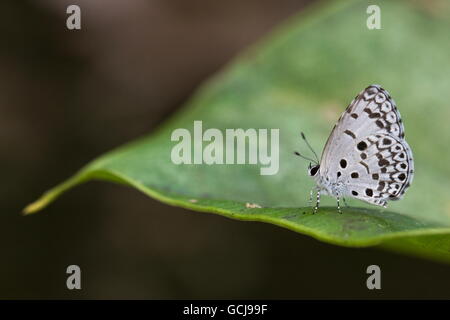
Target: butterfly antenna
{"x":309,"y":146}
{"x":302,"y":156}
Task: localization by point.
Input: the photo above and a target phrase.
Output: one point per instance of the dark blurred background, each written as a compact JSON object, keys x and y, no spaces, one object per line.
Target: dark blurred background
{"x":68,"y":96}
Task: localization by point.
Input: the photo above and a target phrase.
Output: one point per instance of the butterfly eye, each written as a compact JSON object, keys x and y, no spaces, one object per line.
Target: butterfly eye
{"x":313,"y":171}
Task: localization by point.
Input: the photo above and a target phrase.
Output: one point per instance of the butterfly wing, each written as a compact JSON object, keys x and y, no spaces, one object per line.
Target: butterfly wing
{"x":366,"y":150}
{"x":380,"y":168}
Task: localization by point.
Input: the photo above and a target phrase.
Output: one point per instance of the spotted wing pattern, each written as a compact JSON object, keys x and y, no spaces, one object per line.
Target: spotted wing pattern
{"x":366,"y":151}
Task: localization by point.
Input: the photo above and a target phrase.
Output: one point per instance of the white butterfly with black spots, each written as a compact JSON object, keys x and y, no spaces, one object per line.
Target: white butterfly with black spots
{"x":366,"y":156}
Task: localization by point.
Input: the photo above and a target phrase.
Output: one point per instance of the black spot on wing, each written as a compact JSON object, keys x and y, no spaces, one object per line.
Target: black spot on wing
{"x":361,"y":146}
{"x":365,"y":166}
{"x":381,"y":185}
{"x":351,"y":134}
{"x":383,"y":163}
{"x":380,"y":124}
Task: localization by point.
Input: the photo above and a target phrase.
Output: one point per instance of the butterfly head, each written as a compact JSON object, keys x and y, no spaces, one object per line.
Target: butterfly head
{"x":313,"y":170}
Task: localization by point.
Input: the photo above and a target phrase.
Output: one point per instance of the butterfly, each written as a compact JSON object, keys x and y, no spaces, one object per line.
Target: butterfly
{"x":366,"y":155}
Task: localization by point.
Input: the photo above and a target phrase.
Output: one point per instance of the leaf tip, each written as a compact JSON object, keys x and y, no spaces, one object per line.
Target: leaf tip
{"x":49,"y":196}
{"x":32,"y":208}
{"x":36,"y":206}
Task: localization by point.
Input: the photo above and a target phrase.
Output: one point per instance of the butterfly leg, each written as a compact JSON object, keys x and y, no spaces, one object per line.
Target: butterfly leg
{"x":338,"y":206}
{"x":310,"y":196}
{"x":345,"y":202}
{"x":317,"y":201}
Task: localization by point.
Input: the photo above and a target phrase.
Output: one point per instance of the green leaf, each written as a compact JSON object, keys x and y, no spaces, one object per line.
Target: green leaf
{"x":301,"y":78}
